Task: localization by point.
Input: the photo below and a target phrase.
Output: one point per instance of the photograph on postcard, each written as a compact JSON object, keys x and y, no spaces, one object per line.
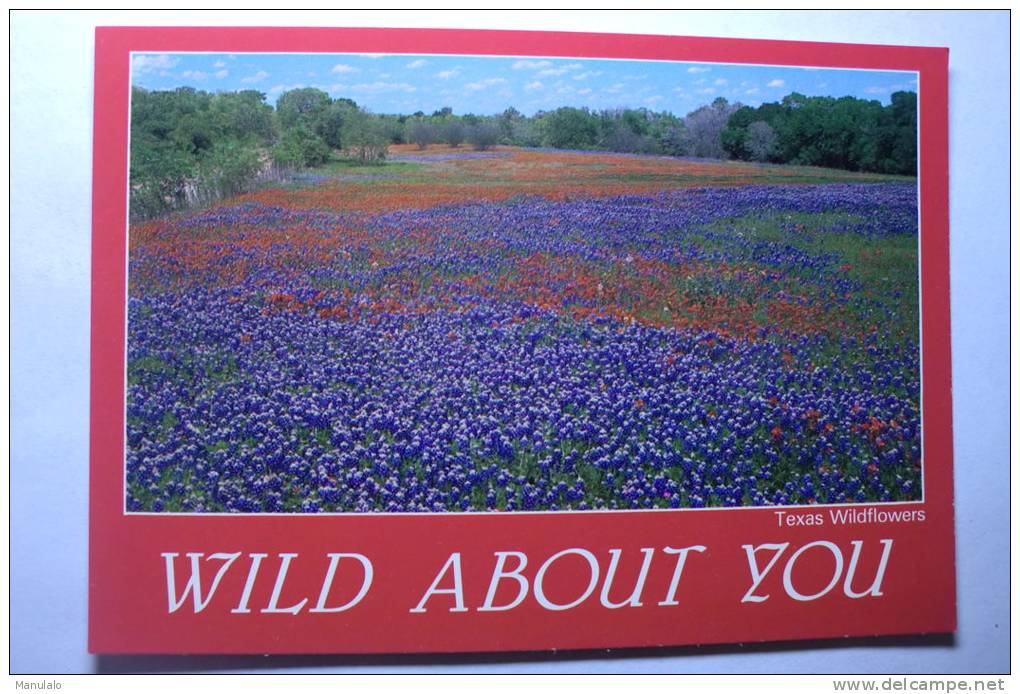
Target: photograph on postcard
{"x":367,"y":283}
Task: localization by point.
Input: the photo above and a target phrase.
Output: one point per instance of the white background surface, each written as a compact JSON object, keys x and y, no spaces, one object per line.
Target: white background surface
{"x":51,"y":107}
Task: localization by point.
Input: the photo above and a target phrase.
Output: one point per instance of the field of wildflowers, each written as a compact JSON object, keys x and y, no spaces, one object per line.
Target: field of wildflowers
{"x":528,"y":330}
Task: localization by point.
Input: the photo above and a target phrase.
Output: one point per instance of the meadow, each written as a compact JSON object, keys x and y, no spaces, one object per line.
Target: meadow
{"x":528,"y":330}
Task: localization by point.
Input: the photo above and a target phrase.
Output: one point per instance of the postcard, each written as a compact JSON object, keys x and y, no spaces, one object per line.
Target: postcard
{"x":434,"y":341}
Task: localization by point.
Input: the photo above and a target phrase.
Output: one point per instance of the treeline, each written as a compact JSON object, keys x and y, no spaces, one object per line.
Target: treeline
{"x":189,"y":147}
{"x":845,"y":133}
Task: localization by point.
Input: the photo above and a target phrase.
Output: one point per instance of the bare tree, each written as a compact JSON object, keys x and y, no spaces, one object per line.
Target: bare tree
{"x":761,"y":140}
{"x":454,"y":133}
{"x":482,"y":136}
{"x":703,"y":129}
{"x":422,"y":133}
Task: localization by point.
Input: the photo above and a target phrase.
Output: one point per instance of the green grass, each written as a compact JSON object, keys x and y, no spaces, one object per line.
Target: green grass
{"x":338,"y":165}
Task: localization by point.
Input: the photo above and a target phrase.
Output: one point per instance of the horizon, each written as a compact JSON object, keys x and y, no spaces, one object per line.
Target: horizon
{"x":402,"y":84}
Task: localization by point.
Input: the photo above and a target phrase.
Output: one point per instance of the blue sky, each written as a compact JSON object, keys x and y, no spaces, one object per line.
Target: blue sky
{"x":488,"y":85}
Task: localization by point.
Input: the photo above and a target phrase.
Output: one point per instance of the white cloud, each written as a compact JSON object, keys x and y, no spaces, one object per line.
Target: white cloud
{"x":448,"y":74}
{"x":280,"y":88}
{"x":653,"y":99}
{"x":375,"y":87}
{"x":905,"y":86}
{"x":720,"y":82}
{"x":531,"y":64}
{"x":776,"y":83}
{"x":616,"y":88}
{"x":221,"y":73}
{"x":140,"y":64}
{"x":484,"y":84}
{"x":415,"y":64}
{"x":586,"y":75}
{"x":219,"y":63}
{"x":752,"y":90}
{"x":707,"y":90}
{"x":561,"y":70}
{"x":532,"y":86}
{"x":194,"y":74}
{"x":344,"y":69}
{"x":696,"y":70}
{"x":586,"y":90}
{"x":257,"y":77}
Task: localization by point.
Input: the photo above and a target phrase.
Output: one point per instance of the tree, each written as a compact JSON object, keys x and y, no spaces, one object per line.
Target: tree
{"x":844,"y":133}
{"x":761,"y":140}
{"x":703,"y":129}
{"x":526,"y":132}
{"x":302,"y":107}
{"x":422,"y":133}
{"x":673,"y":140}
{"x":482,"y":136}
{"x":300,"y":147}
{"x":900,"y":153}
{"x":159,"y":177}
{"x":733,"y":138}
{"x":623,"y":139}
{"x":570,"y":128}
{"x":454,"y":133}
{"x":244,"y":116}
{"x":329,"y":123}
{"x":508,"y":123}
{"x":636,"y":120}
{"x":228,"y":169}
{"x":392,"y":128}
{"x":366,"y":138}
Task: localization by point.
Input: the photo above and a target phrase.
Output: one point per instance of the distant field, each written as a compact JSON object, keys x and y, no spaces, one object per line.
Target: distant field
{"x":441,"y":175}
{"x":528,"y":330}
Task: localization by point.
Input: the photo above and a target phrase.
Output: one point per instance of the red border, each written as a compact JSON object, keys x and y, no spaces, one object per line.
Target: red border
{"x":127,"y":592}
